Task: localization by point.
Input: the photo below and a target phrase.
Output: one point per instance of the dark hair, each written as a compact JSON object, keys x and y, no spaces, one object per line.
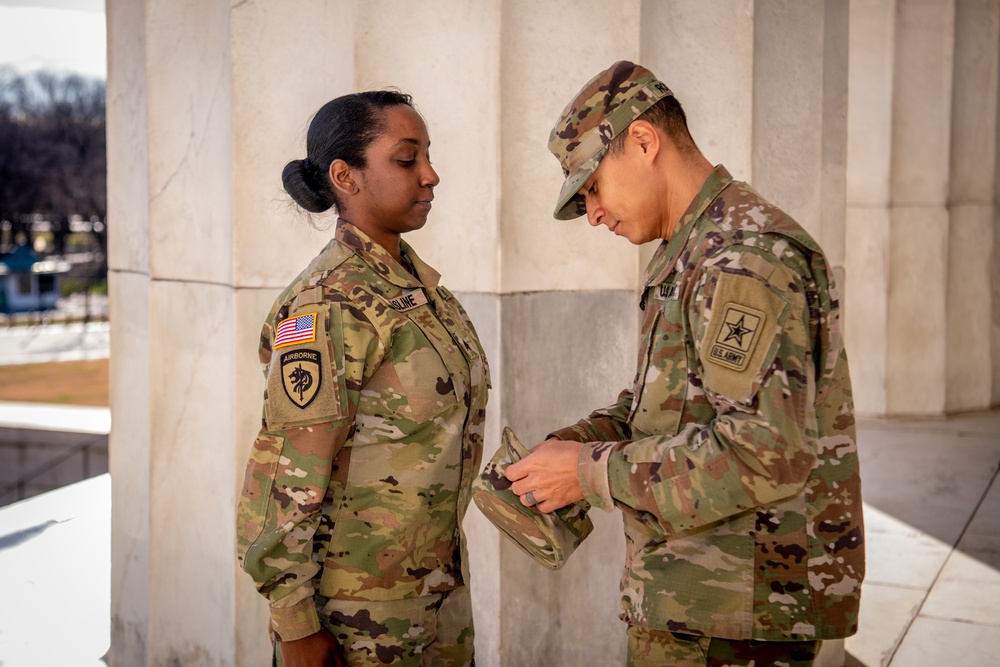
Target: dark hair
{"x":669,"y":116}
{"x":342,"y":129}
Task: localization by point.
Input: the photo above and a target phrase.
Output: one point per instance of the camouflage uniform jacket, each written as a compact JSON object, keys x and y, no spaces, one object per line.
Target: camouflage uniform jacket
{"x":372,"y":434}
{"x":733,"y":456}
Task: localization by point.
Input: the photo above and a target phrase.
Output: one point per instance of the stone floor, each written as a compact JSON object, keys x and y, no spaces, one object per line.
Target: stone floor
{"x":931,"y":597}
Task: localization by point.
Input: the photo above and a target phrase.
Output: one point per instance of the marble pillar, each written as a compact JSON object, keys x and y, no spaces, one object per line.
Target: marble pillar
{"x":918,"y":248}
{"x":128,"y":280}
{"x":206,"y":104}
{"x":970,"y":359}
{"x":869,"y":152}
{"x":705,"y":53}
{"x":995,"y":289}
{"x":191,"y":467}
{"x":921,"y":300}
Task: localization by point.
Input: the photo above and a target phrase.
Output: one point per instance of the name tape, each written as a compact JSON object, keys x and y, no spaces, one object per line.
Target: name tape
{"x":409,"y":300}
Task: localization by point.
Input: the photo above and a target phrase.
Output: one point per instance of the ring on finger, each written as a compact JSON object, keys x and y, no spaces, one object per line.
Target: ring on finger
{"x":529,"y":498}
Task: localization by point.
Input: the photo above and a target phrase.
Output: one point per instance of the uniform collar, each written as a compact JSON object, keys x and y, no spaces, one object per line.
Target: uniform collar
{"x":663,"y":260}
{"x":379,"y":259}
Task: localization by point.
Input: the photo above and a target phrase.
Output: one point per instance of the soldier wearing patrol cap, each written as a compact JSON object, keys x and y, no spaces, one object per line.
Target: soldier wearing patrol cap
{"x":732,"y":456}
{"x":350,"y":518}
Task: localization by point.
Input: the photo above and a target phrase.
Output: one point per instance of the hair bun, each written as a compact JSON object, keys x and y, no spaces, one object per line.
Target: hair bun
{"x":342,"y":129}
{"x":304,"y":184}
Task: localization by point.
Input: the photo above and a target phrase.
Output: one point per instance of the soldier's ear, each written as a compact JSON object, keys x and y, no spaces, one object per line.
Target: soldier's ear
{"x":644,"y":138}
{"x":342,"y":177}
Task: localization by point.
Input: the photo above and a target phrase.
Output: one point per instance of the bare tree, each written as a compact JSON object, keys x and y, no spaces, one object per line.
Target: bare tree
{"x":52,"y":150}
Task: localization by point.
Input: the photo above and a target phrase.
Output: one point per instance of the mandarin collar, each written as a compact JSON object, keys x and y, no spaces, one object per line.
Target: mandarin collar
{"x":665,"y":256}
{"x":379,"y":259}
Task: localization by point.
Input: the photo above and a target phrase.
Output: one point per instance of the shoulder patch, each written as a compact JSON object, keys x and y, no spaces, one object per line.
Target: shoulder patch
{"x":737,"y":337}
{"x":741,"y":336}
{"x":301,"y":375}
{"x":303,"y":380}
{"x":296,"y":330}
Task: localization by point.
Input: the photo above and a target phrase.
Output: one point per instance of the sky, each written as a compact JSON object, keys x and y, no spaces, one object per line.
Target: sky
{"x":59,"y":35}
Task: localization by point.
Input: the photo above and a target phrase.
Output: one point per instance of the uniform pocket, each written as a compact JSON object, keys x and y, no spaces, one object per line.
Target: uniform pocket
{"x":255,"y":498}
{"x":424,"y":380}
{"x":661,"y":385}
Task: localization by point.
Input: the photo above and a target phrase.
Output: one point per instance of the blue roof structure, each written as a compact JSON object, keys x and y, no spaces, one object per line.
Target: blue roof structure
{"x":21,"y":260}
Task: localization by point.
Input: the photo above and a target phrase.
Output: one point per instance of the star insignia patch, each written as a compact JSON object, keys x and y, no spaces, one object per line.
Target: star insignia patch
{"x":737,"y":337}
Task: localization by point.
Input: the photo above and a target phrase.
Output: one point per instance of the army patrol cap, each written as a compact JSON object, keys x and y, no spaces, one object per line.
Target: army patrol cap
{"x":599,"y":112}
{"x":548,"y":538}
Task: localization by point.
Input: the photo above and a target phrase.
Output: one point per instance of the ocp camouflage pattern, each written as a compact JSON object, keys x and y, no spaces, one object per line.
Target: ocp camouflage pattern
{"x":549,"y":538}
{"x":360,"y":493}
{"x":733,"y":456}
{"x":434,"y":629}
{"x":655,"y":648}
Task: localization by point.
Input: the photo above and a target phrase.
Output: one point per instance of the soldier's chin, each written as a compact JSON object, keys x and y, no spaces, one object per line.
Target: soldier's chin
{"x":417,"y":222}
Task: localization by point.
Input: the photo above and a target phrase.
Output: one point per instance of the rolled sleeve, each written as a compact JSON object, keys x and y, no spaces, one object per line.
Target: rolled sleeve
{"x":574,"y":433}
{"x":592,"y":472}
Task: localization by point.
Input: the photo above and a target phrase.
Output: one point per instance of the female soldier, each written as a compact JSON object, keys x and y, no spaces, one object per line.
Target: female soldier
{"x":350,"y":519}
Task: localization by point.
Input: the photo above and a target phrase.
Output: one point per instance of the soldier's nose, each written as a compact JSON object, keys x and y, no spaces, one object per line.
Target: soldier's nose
{"x":595,"y":214}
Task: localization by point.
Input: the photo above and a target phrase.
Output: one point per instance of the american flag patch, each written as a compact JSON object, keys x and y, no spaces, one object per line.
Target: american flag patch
{"x":301,"y":329}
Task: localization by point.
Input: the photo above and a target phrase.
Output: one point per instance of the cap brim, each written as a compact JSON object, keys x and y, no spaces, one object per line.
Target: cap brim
{"x":571,"y":204}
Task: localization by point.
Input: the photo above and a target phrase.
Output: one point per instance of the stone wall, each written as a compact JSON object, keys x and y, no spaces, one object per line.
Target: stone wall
{"x":34,"y":461}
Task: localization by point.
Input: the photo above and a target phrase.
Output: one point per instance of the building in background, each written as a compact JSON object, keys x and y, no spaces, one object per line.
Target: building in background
{"x":29,"y":284}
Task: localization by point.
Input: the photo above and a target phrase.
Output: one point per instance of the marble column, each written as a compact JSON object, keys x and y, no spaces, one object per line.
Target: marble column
{"x":995,"y":289}
{"x":922,"y":182}
{"x":207,"y":103}
{"x":128,"y":278}
{"x":869,"y":154}
{"x":919,"y":220}
{"x":970,"y":358}
{"x":191,"y":353}
{"x":705,"y":53}
{"x":779,"y":127}
{"x":800,"y":107}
